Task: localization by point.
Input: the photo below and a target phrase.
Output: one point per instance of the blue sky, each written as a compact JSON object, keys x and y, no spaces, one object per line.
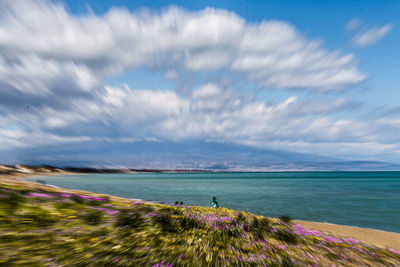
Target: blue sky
{"x":323,"y":20}
{"x":315,"y":77}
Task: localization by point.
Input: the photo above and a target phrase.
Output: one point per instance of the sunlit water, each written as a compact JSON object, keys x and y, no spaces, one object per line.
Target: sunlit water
{"x":365,"y":199}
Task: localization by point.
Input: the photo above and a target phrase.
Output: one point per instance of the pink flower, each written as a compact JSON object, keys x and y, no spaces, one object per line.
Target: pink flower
{"x":352,"y":240}
{"x":65,"y":195}
{"x":394,"y":251}
{"x":6,"y":190}
{"x":39,"y":195}
{"x":328,"y":249}
{"x":101,"y":209}
{"x":98,"y":198}
{"x":333,"y":239}
{"x":92,"y":198}
{"x":112,"y":211}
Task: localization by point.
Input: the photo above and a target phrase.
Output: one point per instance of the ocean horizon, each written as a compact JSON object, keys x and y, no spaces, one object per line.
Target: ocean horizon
{"x":363,"y":199}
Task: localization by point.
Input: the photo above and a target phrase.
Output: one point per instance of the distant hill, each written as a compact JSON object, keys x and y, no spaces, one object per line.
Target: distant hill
{"x":185,"y":155}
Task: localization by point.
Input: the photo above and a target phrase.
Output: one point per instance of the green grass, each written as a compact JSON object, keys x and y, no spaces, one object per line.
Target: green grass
{"x":39,"y":228}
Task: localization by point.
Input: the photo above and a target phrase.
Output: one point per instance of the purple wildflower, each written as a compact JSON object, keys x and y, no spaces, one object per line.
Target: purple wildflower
{"x":333,"y":239}
{"x":98,"y":198}
{"x":92,"y":198}
{"x":352,"y":240}
{"x":111,"y":211}
{"x":6,"y":190}
{"x":104,"y":209}
{"x":65,"y":195}
{"x":328,"y":249}
{"x":394,"y":251}
{"x":39,"y":195}
{"x":316,"y":233}
{"x":159,"y":264}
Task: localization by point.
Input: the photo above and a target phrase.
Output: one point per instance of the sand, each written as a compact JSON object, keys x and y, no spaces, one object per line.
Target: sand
{"x":365,"y":235}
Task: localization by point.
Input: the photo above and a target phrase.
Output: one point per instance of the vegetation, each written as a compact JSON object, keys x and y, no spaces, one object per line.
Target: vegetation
{"x":43,"y":228}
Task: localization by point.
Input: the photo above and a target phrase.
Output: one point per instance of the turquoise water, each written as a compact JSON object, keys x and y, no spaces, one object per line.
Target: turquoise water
{"x":365,"y":199}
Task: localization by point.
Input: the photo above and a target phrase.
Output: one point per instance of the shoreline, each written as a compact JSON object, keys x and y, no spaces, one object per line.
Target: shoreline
{"x":379,"y":238}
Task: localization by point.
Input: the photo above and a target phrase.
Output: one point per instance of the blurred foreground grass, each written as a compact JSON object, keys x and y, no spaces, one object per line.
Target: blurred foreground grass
{"x":50,"y":228}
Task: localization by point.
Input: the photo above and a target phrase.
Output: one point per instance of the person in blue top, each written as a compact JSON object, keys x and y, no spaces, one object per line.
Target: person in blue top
{"x":215,"y":202}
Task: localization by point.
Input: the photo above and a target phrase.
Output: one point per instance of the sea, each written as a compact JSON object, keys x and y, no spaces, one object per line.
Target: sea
{"x":364,"y":199}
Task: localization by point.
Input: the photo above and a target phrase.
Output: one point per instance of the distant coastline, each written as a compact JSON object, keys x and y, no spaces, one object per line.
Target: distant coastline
{"x":23,"y":170}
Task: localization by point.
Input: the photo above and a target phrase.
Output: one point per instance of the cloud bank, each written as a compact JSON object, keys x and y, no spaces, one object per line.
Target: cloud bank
{"x":53,"y":65}
{"x":211,"y":113}
{"x":271,"y":53}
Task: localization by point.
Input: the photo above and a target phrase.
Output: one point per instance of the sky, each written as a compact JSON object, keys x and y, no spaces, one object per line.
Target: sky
{"x":313,"y":77}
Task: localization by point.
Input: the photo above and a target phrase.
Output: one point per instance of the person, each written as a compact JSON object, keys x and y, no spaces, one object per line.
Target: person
{"x":215,"y":202}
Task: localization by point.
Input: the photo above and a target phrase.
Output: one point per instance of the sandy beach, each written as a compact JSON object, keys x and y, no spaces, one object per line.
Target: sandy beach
{"x":368,"y":236}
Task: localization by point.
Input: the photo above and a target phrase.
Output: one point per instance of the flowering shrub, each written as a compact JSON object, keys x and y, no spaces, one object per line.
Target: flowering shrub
{"x":285,"y":218}
{"x":93,"y":217}
{"x":53,"y":228}
{"x":129,"y":218}
{"x":286,"y":236}
{"x":11,"y":201}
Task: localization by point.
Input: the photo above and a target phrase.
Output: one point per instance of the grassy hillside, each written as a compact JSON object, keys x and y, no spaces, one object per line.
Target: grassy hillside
{"x":50,"y":228}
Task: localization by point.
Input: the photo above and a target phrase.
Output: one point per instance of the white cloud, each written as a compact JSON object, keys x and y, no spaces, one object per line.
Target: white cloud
{"x":353,"y":24}
{"x":207,"y":91}
{"x":35,"y":76}
{"x":267,"y":52}
{"x":300,"y":65}
{"x":171,"y":75}
{"x":216,"y":114}
{"x":11,"y":139}
{"x":369,"y":35}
